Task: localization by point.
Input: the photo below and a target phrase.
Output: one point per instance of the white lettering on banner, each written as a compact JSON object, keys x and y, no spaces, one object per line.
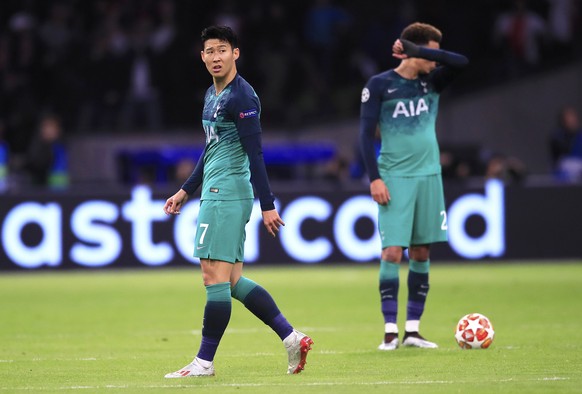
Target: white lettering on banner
{"x":345,"y":223}
{"x":491,"y":208}
{"x":294,"y":215}
{"x":141,"y":211}
{"x":105,"y":242}
{"x":94,"y":224}
{"x":48,"y":218}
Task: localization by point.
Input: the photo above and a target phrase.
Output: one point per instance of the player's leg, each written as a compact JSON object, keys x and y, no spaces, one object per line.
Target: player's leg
{"x":395,"y":226}
{"x":216,"y":276}
{"x":219,"y":236}
{"x":418,"y":286}
{"x":389,"y":278}
{"x":260,"y":302}
{"x":429,"y":227}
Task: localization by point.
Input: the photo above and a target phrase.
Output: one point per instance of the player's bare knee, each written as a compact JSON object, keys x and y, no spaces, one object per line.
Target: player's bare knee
{"x":392,"y":254}
{"x":419,"y":253}
{"x":207,"y":279}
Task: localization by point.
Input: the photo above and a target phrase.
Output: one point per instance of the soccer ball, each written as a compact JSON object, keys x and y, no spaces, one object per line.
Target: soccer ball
{"x":474,"y":331}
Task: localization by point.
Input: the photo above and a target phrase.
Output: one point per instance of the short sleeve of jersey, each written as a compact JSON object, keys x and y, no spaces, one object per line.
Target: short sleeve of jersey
{"x":371,"y":99}
{"x":245,"y":108}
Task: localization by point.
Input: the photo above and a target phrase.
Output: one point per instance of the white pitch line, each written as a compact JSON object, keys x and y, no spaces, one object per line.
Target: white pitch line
{"x":293,"y":384}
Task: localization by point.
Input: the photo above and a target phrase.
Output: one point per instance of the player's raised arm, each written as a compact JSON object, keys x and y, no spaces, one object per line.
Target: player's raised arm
{"x":404,"y":49}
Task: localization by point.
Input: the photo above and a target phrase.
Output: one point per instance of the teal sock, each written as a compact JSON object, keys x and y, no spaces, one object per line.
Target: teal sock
{"x":216,"y":317}
{"x":389,"y":284}
{"x":389,"y":270}
{"x":422,"y":267}
{"x":258,"y":300}
{"x":417,"y":288}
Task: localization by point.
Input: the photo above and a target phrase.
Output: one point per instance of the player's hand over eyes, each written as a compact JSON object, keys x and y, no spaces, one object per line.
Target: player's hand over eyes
{"x":404,"y":49}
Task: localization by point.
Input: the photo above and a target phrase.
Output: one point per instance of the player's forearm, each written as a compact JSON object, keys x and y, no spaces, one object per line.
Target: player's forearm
{"x":451,"y":59}
{"x":195,"y":179}
{"x":367,"y":150}
{"x":259,"y":178}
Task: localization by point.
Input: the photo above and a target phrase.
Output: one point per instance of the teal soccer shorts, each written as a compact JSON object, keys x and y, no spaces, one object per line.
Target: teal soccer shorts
{"x":415,"y":214}
{"x":220,"y":234}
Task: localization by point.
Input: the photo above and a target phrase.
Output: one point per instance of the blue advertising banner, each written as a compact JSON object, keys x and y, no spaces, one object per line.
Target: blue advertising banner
{"x":60,"y":231}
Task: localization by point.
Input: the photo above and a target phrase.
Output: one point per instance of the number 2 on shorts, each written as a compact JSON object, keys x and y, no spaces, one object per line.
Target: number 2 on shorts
{"x":443,"y":224}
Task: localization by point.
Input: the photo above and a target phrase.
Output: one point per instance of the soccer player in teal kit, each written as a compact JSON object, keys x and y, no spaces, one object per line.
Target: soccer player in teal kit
{"x":405,"y":178}
{"x":231,"y":159}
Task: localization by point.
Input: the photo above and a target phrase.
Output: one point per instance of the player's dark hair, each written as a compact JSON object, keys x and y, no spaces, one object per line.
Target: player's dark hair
{"x":222,"y":33}
{"x":421,"y":33}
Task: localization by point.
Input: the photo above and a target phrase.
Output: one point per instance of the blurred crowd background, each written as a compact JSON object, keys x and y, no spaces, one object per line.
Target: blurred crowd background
{"x":71,"y":68}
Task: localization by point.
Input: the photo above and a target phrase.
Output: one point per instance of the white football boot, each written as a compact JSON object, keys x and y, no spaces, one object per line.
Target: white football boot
{"x":297,"y":345}
{"x":390,"y":342}
{"x":414,"y":339}
{"x":193,"y":369}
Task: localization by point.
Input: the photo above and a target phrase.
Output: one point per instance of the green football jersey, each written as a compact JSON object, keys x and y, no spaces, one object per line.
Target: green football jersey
{"x":406,"y":111}
{"x":226,"y":164}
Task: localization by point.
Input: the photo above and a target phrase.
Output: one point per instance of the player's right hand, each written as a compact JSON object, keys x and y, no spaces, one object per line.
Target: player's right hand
{"x":379,"y":191}
{"x":174,"y":203}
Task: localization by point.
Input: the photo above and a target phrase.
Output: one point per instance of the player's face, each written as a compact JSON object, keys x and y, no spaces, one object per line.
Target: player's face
{"x":426,"y":66}
{"x":219,"y":58}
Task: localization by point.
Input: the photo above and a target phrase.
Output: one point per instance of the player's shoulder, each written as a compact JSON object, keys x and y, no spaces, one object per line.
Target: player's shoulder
{"x":382,"y":78}
{"x":242,"y":87}
{"x":242,"y":93}
{"x":387,"y":74}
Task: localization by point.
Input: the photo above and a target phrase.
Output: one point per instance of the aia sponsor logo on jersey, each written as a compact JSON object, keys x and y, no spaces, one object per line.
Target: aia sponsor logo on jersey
{"x":410,"y":109}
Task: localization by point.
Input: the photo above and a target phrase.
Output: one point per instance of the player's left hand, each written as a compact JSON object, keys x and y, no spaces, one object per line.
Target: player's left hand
{"x":272,"y":221}
{"x":404,"y":49}
{"x":398,"y":50}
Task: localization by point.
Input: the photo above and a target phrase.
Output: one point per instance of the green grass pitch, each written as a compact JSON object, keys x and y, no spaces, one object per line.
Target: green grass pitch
{"x":120,"y":331}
